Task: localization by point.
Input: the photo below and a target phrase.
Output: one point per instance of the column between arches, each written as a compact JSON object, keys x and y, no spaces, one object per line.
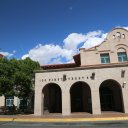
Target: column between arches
{"x":38,"y":107}
{"x":66,"y":102}
{"x":96,"y":109}
{"x":125,"y":99}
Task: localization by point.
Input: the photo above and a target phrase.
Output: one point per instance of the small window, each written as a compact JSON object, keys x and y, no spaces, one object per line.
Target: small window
{"x":122,"y":57}
{"x":9,"y":101}
{"x":118,"y":35}
{"x":123,"y":36}
{"x":105,"y":59}
{"x":114,"y":37}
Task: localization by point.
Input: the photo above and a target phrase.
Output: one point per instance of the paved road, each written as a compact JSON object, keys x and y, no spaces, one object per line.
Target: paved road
{"x":110,"y":124}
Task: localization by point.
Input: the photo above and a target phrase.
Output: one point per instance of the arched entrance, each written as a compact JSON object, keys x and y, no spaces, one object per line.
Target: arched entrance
{"x":111,"y":96}
{"x":52,"y":98}
{"x":80,"y":97}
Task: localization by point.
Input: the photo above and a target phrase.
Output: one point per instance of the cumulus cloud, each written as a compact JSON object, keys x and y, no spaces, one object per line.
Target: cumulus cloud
{"x":50,"y":53}
{"x":7,"y":54}
{"x":73,"y":40}
{"x":125,"y":28}
{"x":94,"y":39}
{"x":25,"y":56}
{"x":88,"y":40}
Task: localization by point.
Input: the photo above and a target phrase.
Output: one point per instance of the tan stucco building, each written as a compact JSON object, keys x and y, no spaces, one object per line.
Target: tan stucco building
{"x":96,"y":82}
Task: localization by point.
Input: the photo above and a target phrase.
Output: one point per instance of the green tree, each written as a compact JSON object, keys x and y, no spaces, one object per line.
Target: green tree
{"x":24,"y":78}
{"x":17,"y":77}
{"x":6,"y":75}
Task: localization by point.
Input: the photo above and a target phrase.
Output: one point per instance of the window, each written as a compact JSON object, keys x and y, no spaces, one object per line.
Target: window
{"x":21,"y":103}
{"x":9,"y":101}
{"x":118,"y":35}
{"x":105,"y":59}
{"x":123,"y":36}
{"x":114,"y":37}
{"x":122,"y":56}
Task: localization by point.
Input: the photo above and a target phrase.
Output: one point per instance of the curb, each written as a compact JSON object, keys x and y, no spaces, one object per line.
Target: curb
{"x":64,"y":119}
{"x":6,"y":119}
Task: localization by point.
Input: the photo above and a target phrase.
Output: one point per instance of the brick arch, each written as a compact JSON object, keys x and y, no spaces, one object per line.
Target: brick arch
{"x":111,"y":96}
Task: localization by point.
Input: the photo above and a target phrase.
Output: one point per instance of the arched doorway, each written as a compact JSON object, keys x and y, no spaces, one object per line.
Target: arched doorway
{"x":52,"y":98}
{"x":111,"y":96}
{"x":80,"y":97}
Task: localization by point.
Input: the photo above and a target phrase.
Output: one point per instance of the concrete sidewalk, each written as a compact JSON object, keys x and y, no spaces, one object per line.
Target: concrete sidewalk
{"x":76,"y":117}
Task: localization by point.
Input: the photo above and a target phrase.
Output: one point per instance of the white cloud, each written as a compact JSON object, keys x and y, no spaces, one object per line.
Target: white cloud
{"x":88,"y":40}
{"x":73,"y":40}
{"x":125,"y":28}
{"x":94,"y":39}
{"x":25,"y":56}
{"x":50,"y":53}
{"x":47,"y":54}
{"x":7,"y":54}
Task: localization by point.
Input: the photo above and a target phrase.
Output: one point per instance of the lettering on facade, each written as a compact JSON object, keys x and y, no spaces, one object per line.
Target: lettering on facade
{"x":63,"y":79}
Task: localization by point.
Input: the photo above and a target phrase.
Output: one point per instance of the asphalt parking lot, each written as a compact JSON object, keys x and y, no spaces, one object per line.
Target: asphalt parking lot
{"x":105,"y":124}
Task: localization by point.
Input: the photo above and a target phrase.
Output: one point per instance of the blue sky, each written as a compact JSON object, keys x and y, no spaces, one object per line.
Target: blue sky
{"x":52,"y":31}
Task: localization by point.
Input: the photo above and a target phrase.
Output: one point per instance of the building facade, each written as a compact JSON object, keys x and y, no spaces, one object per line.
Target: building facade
{"x":97,"y":81}
{"x":10,"y":101}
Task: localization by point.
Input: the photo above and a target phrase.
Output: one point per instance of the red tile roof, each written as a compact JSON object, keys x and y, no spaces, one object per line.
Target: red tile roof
{"x":68,"y":65}
{"x":59,"y":66}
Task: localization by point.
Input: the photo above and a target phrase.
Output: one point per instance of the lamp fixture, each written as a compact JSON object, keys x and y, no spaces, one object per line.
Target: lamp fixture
{"x":93,"y":76}
{"x":122,"y":73}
